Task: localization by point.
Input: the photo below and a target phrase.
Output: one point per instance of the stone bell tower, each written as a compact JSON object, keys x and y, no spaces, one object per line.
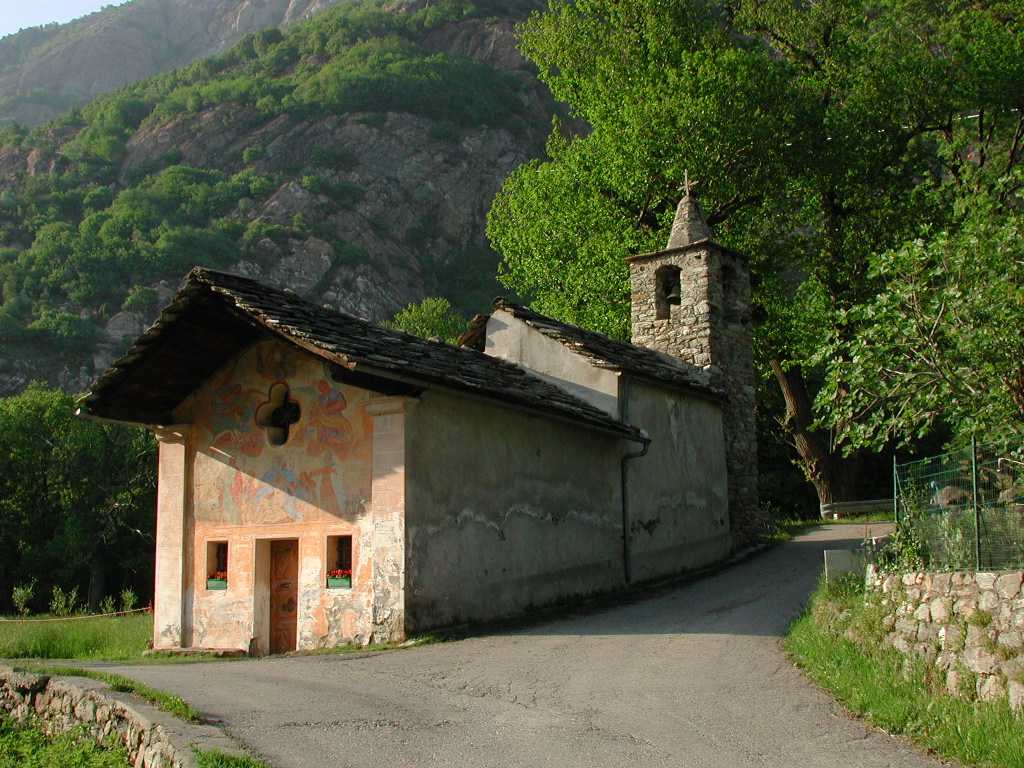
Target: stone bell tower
{"x":692,"y":301}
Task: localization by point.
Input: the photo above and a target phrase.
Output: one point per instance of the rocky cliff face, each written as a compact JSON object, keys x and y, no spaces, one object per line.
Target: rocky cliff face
{"x":409,"y":223}
{"x":46,"y":70}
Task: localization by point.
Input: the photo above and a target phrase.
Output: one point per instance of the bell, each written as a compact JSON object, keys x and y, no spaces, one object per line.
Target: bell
{"x":672,"y":296}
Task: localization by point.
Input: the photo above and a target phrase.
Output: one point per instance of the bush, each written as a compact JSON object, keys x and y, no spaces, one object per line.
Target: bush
{"x":128,"y":600}
{"x":141,"y":299}
{"x":21,"y":595}
{"x":63,"y":603}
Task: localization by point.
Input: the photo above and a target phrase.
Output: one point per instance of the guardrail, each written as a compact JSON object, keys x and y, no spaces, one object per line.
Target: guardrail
{"x":839,"y":509}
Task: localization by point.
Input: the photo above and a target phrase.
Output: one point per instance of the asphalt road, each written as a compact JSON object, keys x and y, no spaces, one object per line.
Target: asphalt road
{"x":692,"y":676}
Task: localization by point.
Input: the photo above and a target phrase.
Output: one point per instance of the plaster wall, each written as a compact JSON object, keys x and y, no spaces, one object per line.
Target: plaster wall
{"x":678,"y":497}
{"x":171,"y":522}
{"x":509,"y":338}
{"x":505,"y":511}
{"x":246,"y":492}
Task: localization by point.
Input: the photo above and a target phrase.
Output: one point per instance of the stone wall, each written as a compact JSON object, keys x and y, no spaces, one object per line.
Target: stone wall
{"x":970,"y":626}
{"x":153,"y":739}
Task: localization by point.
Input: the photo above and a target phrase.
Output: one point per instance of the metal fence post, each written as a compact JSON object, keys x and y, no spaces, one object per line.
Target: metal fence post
{"x":977,"y":515}
{"x":895,"y":491}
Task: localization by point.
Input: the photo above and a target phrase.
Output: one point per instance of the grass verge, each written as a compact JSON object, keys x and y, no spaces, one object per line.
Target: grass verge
{"x":785,"y":528}
{"x":114,"y":638}
{"x":168,"y":702}
{"x":874,"y":517}
{"x":216,"y":759}
{"x":25,"y":746}
{"x":878,"y":684}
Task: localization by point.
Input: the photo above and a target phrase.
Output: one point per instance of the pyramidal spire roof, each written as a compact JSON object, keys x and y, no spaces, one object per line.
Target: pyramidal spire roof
{"x":689,"y":225}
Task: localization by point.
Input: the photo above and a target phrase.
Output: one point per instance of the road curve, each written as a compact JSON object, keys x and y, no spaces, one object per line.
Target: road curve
{"x":691,"y":676}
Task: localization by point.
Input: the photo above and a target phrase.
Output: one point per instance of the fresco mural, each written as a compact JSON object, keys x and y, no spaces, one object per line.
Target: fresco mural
{"x":241,"y":478}
{"x":279,"y":451}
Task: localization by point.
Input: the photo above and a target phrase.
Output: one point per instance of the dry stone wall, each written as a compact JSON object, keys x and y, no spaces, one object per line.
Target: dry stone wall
{"x":153,"y":739}
{"x":970,"y":626}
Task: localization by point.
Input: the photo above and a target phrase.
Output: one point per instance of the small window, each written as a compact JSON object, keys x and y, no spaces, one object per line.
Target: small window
{"x":667,"y":291}
{"x":339,"y":562}
{"x":216,"y":565}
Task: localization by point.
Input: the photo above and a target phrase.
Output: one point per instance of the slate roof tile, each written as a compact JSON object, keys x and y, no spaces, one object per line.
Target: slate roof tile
{"x":605,"y":352}
{"x":342,"y":338}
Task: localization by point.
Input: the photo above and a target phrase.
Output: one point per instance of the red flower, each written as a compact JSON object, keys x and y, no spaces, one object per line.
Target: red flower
{"x":339,"y":573}
{"x":222,"y":575}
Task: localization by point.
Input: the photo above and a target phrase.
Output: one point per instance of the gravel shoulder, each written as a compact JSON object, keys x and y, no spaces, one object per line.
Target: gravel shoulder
{"x":692,"y":675}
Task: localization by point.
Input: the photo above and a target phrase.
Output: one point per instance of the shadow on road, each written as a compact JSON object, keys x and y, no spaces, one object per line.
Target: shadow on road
{"x":759,"y":597}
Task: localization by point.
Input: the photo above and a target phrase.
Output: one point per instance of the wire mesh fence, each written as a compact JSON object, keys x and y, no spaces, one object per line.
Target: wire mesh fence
{"x":965,"y":507}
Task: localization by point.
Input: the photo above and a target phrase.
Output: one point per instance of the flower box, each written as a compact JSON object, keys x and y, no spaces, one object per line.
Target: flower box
{"x":216,"y":583}
{"x":339,"y":582}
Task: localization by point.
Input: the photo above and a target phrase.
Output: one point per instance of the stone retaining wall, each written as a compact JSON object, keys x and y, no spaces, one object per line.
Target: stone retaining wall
{"x":970,"y":626}
{"x":153,"y":739}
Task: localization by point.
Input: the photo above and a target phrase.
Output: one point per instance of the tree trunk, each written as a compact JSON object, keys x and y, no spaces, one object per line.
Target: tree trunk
{"x":833,"y":476}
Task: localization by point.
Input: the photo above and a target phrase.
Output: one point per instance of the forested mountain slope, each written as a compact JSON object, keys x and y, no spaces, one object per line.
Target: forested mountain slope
{"x":351,"y":158}
{"x":46,"y":70}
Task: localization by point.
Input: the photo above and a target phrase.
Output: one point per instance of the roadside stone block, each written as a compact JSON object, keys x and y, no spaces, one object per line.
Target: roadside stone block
{"x":1015,"y":692}
{"x":1010,"y":638}
{"x":991,"y":688}
{"x":953,"y":682}
{"x":906,"y":627}
{"x":952,"y":637}
{"x":988,"y":601}
{"x":1008,"y":585}
{"x":923,"y":613}
{"x":978,"y":660}
{"x":985,"y":580}
{"x":939,"y":609}
{"x":976,"y":636}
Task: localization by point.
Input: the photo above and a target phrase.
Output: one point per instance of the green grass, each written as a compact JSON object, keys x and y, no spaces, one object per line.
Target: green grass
{"x":785,"y":528}
{"x":217,"y":759}
{"x":25,"y":746}
{"x":111,"y":638}
{"x":168,"y":702}
{"x":873,"y":517}
{"x":870,"y":681}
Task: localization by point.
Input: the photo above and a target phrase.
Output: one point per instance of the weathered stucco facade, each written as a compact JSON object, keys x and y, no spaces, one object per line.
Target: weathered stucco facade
{"x":676,"y":512}
{"x":338,"y":474}
{"x":505,"y":511}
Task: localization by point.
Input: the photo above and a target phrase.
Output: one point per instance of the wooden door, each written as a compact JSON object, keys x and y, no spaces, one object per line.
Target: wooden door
{"x":284,"y":595}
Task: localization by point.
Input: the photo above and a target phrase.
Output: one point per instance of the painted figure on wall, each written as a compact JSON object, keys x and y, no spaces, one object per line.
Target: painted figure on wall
{"x":243,"y":477}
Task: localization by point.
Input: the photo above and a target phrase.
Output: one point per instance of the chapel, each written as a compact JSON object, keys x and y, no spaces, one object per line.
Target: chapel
{"x":325,"y":480}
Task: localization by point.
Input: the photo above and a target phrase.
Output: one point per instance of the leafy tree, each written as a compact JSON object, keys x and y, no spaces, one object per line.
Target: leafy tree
{"x":943,"y":342}
{"x":76,"y":498}
{"x":431,"y":318}
{"x":820,"y":133}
